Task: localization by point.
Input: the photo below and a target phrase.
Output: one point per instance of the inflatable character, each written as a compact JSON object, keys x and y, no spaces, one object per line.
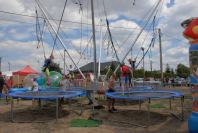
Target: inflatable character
{"x":191,"y":30}
{"x":191,"y":33}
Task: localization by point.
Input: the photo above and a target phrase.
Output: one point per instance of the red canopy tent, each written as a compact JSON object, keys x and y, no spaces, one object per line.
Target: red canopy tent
{"x":25,"y":71}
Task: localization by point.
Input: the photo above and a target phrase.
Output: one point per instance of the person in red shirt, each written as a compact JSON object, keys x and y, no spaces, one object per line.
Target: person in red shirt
{"x":124,"y":76}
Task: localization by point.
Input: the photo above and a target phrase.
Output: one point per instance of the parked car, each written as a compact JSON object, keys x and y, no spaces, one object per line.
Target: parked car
{"x":139,"y":80}
{"x":180,"y":81}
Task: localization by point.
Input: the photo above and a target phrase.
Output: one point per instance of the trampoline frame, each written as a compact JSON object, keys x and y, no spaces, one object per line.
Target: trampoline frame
{"x":48,"y":98}
{"x":148,"y":99}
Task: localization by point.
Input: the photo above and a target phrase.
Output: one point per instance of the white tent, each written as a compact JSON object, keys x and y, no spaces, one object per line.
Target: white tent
{"x":7,"y":73}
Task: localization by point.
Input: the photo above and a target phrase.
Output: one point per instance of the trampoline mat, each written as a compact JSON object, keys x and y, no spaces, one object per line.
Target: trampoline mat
{"x":144,"y":95}
{"x":46,"y":94}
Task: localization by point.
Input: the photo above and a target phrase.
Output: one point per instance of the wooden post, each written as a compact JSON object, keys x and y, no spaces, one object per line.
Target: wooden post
{"x":160,"y":50}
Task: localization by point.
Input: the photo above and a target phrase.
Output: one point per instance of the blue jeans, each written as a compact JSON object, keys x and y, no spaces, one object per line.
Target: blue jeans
{"x":88,"y":94}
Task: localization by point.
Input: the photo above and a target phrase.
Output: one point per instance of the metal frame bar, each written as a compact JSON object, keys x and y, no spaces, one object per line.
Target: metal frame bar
{"x":140,"y":105}
{"x":170,"y":104}
{"x":181,"y":118}
{"x":57,"y":108}
{"x":72,"y":109}
{"x":12,"y":112}
{"x":148,"y":110}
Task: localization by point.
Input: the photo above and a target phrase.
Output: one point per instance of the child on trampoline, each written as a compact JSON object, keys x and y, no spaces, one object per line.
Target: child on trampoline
{"x":111,"y":102}
{"x":35,"y":85}
{"x":46,"y":66}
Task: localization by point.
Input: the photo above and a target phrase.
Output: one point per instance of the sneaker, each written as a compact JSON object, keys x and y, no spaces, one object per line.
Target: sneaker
{"x":113,"y":109}
{"x":110,"y":111}
{"x":90,"y":103}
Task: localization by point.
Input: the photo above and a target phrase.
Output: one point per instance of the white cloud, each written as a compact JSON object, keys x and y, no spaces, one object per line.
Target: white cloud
{"x":14,"y":5}
{"x":25,"y":52}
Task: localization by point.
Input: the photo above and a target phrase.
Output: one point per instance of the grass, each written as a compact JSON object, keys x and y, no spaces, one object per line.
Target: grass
{"x":84,"y":123}
{"x":157,"y":106}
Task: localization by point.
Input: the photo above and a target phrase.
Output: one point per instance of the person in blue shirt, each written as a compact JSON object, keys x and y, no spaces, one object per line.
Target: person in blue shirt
{"x":46,"y":66}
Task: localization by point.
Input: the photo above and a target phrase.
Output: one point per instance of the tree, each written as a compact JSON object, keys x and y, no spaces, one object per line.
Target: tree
{"x":168,"y":73}
{"x":168,"y":69}
{"x":139,"y":73}
{"x":182,"y":71}
{"x":173,"y":72}
{"x":148,"y":73}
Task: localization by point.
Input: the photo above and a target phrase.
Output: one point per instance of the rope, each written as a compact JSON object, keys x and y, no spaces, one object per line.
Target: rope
{"x":66,"y":21}
{"x":43,"y":29}
{"x":67,"y":68}
{"x":69,"y":43}
{"x":59,"y":26}
{"x":80,"y":11}
{"x":144,"y":17}
{"x":152,"y":40}
{"x":151,"y":26}
{"x":153,"y":29}
{"x":134,"y":42}
{"x":110,"y":36}
{"x":84,"y":50}
{"x":133,"y":2}
{"x":40,"y":32}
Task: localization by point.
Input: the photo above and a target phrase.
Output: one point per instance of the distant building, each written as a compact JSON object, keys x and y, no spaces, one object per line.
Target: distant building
{"x":89,"y":68}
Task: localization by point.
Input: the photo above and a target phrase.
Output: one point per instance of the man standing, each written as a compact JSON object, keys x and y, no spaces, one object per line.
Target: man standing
{"x":2,"y":83}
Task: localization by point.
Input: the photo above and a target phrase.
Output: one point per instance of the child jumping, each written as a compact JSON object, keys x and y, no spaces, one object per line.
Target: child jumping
{"x":111,"y":101}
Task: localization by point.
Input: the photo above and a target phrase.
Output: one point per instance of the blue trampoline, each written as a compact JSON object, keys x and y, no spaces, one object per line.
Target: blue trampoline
{"x":135,"y":88}
{"x":142,"y":87}
{"x":143,"y":95}
{"x":45,"y":89}
{"x":15,"y":90}
{"x":28,"y":95}
{"x":45,"y":95}
{"x":148,"y":95}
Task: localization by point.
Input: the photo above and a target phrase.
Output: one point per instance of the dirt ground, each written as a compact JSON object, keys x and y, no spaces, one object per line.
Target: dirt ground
{"x":127,"y":120}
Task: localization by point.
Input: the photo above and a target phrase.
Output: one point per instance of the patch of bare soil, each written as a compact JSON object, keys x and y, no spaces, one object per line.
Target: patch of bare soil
{"x":128,"y":118}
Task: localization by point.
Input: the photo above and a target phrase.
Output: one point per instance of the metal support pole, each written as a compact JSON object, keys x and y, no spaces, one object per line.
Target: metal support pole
{"x":140,"y":104}
{"x":12,"y":110}
{"x":101,"y":41}
{"x":94,"y":40}
{"x":151,"y":65}
{"x":39,"y":103}
{"x":64,"y":63}
{"x":182,"y":108}
{"x":9,"y":66}
{"x":94,"y":46}
{"x":170,"y":104}
{"x":0,"y":63}
{"x":149,"y":117}
{"x":143,"y":66}
{"x":57,"y":108}
{"x":160,"y":50}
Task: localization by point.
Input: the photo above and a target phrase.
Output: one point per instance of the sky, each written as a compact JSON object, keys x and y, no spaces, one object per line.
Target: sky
{"x":18,"y":37}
